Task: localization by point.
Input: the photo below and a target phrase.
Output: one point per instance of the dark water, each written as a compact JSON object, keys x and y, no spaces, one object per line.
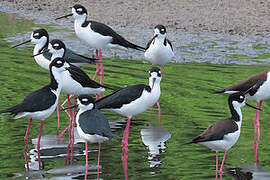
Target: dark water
{"x":188,"y":107}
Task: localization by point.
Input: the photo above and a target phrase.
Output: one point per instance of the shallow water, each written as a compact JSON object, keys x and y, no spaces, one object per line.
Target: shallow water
{"x":188,"y":107}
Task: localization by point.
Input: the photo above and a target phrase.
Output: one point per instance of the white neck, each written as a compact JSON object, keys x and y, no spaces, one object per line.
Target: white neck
{"x":79,"y":21}
{"x":59,"y":80}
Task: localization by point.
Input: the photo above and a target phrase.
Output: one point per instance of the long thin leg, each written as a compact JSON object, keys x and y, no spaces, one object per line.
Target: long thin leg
{"x":68,"y":112}
{"x":58,"y":117}
{"x":150,"y":114}
{"x":159,"y":113}
{"x":86,"y":160}
{"x":257,"y":137}
{"x":97,"y":66}
{"x":69,"y":128}
{"x":101,"y":71}
{"x":125,"y":139}
{"x":26,"y":143}
{"x":221,"y":167}
{"x":72,"y":132}
{"x":124,"y":158}
{"x":98,"y":160}
{"x":38,"y":144}
{"x":162,"y":68}
{"x":216,"y":165}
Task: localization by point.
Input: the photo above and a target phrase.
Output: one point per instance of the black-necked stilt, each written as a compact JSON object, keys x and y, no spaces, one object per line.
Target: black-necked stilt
{"x":223,"y":134}
{"x":75,"y":81}
{"x":92,"y":126}
{"x":97,"y":35}
{"x":159,"y":49}
{"x":258,"y":88}
{"x":41,"y":103}
{"x":40,"y":38}
{"x":133,"y":100}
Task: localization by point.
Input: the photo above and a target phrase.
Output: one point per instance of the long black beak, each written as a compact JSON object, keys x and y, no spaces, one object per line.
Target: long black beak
{"x":28,"y":41}
{"x":70,"y":107}
{"x":44,"y":51}
{"x":253,"y":107}
{"x":64,"y":16}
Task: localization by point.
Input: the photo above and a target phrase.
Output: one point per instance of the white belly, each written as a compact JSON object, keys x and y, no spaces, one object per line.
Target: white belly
{"x":41,"y":115}
{"x":157,"y":53}
{"x":91,"y":138}
{"x":141,"y":104}
{"x":42,"y":61}
{"x":225,"y":144}
{"x":93,"y":39}
{"x":263,"y":92}
{"x":70,"y":86}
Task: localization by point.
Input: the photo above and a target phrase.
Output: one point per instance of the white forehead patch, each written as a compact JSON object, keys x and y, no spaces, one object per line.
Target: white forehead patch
{"x":36,"y":34}
{"x":80,"y":9}
{"x":57,"y":45}
{"x":59,"y":62}
{"x":241,"y":97}
{"x":162,"y":29}
{"x":159,"y":72}
{"x":84,"y":100}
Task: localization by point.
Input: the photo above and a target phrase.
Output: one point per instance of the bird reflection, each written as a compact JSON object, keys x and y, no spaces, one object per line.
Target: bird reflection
{"x":155,"y":137}
{"x":248,"y":172}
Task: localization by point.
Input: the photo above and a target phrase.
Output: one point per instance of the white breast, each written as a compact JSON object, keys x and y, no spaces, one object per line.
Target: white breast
{"x":145,"y":101}
{"x":157,"y":53}
{"x":40,"y":59}
{"x":70,"y":86}
{"x":263,"y":92}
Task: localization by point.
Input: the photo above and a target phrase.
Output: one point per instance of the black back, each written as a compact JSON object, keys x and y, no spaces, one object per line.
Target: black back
{"x":94,"y":122}
{"x":122,"y":96}
{"x":105,"y":30}
{"x":39,"y":100}
{"x":80,"y":76}
{"x":217,"y":131}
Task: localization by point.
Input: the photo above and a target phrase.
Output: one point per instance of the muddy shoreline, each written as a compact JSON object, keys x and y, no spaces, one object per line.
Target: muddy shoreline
{"x":215,"y":38}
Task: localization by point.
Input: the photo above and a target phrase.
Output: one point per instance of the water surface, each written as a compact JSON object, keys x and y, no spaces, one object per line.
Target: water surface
{"x":188,"y":107}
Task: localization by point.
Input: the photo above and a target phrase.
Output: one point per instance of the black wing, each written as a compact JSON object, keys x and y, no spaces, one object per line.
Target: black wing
{"x":47,"y":55}
{"x":121,"y":97}
{"x":81,"y":77}
{"x":116,"y":38}
{"x":216,"y":131}
{"x":150,"y":42}
{"x":72,"y":57}
{"x":169,"y":42}
{"x":36,"y":101}
{"x":94,"y":122}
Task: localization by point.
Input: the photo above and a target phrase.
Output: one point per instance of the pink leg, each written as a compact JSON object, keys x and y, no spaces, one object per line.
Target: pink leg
{"x":223,"y":160}
{"x":162,"y":69}
{"x":68,"y":112}
{"x":124,"y":158}
{"x":97,"y":66}
{"x":58,"y":117}
{"x":38,"y":144}
{"x":216,"y":165}
{"x":159,"y":113}
{"x":98,"y":160}
{"x":125,"y":138}
{"x":86,"y":160}
{"x":69,"y":128}
{"x":72,"y":132}
{"x":26,"y":143}
{"x":150,"y":113}
{"x":257,"y":132}
{"x":101,"y":71}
